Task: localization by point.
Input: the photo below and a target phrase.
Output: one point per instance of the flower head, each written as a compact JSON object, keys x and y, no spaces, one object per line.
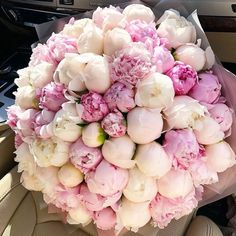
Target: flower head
{"x":183,"y":77}
{"x":182,"y":147}
{"x":94,"y":108}
{"x":114,"y":124}
{"x":163,"y":209}
{"x":60,"y":44}
{"x":52,"y":97}
{"x":83,"y":157}
{"x":143,"y":32}
{"x":131,"y":64}
{"x":120,"y":96}
{"x":207,"y":90}
{"x":107,"y":179}
{"x":40,"y":54}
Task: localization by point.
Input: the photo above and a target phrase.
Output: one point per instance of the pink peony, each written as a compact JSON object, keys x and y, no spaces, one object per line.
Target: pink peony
{"x":222,"y":114}
{"x":202,"y":174}
{"x":40,"y":54}
{"x":25,"y":123}
{"x":18,"y":140}
{"x":207,"y":90}
{"x":52,"y":97}
{"x":131,"y":64}
{"x":94,"y":107}
{"x":183,"y":77}
{"x":59,"y":45}
{"x":107,"y":179}
{"x":114,"y":124}
{"x":83,"y":157}
{"x":41,"y":124}
{"x":12,"y":115}
{"x":119,"y":96}
{"x":105,"y":219}
{"x":162,"y":59}
{"x":97,"y":202}
{"x":182,"y":147}
{"x":63,"y":197}
{"x":141,"y":31}
{"x":163,"y":209}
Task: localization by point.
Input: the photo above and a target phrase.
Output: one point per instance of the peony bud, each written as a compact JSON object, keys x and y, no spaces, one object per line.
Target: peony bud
{"x":176,"y":183}
{"x":144,"y":121}
{"x":115,"y":40}
{"x":133,"y":215}
{"x":192,"y":55}
{"x":220,"y":156}
{"x":96,"y":75}
{"x":183,"y":77}
{"x":79,"y":215}
{"x":152,"y":160}
{"x":207,"y":89}
{"x":119,"y":151}
{"x":208,"y":131}
{"x":155,"y":91}
{"x":138,"y":12}
{"x":107,"y":179}
{"x":70,"y":176}
{"x":140,"y":188}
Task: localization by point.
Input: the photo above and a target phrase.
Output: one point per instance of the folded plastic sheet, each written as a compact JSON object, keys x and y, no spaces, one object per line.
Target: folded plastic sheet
{"x":227,"y":179}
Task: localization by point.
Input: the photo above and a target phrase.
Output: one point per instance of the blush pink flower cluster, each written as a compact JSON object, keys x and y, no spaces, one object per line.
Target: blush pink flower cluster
{"x":119,"y":119}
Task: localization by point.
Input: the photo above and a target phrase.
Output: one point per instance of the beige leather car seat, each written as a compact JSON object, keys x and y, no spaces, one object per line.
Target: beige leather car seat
{"x":23,"y":213}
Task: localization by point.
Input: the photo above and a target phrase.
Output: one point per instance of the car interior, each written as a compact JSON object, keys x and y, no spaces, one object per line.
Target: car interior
{"x":23,"y":213}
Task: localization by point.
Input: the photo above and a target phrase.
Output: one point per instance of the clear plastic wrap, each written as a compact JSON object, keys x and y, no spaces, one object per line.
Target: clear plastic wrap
{"x":227,"y":180}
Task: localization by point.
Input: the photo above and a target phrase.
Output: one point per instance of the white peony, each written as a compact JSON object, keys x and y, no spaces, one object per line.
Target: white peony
{"x":184,"y":112}
{"x":176,"y":183}
{"x":176,"y":29}
{"x":70,"y":71}
{"x":70,"y":176}
{"x":41,"y":74}
{"x":133,"y":215}
{"x":115,"y":40}
{"x":90,"y":40}
{"x":119,"y":151}
{"x":155,"y":91}
{"x":24,"y":77}
{"x":26,"y":97}
{"x":50,"y":152}
{"x":97,"y":75}
{"x":138,"y":12}
{"x":144,"y":125}
{"x":25,"y":159}
{"x":152,"y":160}
{"x":140,"y":188}
{"x":77,"y":27}
{"x":65,"y":123}
{"x":220,"y":156}
{"x":195,"y":56}
{"x":208,"y":131}
{"x":79,"y":215}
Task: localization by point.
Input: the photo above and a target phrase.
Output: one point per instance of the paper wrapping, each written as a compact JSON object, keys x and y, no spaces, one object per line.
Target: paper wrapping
{"x":227,"y":179}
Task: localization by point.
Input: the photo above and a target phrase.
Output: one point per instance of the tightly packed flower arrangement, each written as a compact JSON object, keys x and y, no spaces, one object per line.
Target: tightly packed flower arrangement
{"x":120,"y":120}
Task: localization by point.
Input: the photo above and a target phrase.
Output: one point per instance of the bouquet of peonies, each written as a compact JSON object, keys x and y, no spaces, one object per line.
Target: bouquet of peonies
{"x":120,"y":120}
